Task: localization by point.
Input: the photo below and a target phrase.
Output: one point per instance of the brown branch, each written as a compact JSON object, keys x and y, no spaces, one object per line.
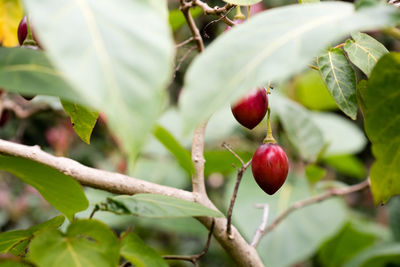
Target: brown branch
{"x":239,"y":177}
{"x":198,"y":160}
{"x":312,"y":200}
{"x":185,"y":8}
{"x":194,"y":258}
{"x":184,"y":42}
{"x":223,"y":18}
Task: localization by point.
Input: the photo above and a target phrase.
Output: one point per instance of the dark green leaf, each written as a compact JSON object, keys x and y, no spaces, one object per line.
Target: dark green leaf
{"x":340,"y":79}
{"x":381,"y":111}
{"x":314,"y":173}
{"x":269,"y":47}
{"x":88,"y":243}
{"x":9,"y":240}
{"x":28,"y":71}
{"x":119,"y":60}
{"x":394,"y":217}
{"x":177,"y":150}
{"x":83,"y":119}
{"x":60,"y":190}
{"x":347,"y":165}
{"x":382,"y":255}
{"x":158,"y":206}
{"x":302,"y":131}
{"x":364,"y":51}
{"x":345,"y":245}
{"x":138,"y":253}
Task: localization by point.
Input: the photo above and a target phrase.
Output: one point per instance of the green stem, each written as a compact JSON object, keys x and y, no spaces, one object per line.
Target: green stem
{"x":270,"y":138}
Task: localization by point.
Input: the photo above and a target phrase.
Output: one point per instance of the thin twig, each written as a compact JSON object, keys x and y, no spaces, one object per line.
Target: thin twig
{"x":312,"y":200}
{"x":194,"y":258}
{"x":239,"y":177}
{"x":182,"y":59}
{"x":95,"y":209}
{"x":313,"y":67}
{"x":185,"y":8}
{"x":216,"y":20}
{"x":262,"y":226}
{"x":184,"y":42}
{"x":339,"y":46}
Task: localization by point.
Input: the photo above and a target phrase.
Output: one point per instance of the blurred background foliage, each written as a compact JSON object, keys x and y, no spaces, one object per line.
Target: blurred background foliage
{"x":338,"y":232}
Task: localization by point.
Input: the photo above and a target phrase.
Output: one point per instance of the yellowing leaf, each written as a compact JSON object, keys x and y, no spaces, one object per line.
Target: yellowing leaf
{"x":11,"y":12}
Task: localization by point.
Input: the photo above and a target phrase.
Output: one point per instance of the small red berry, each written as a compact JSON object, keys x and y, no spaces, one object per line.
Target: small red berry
{"x":251,"y":109}
{"x":22,"y":31}
{"x":270,"y":167}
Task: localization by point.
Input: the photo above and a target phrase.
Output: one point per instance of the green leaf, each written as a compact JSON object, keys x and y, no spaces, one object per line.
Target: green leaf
{"x":298,"y":236}
{"x":381,"y":112}
{"x":243,"y":2}
{"x":394,"y":217}
{"x":83,"y":119}
{"x":138,"y":253}
{"x":302,"y":131}
{"x":17,"y":262}
{"x":119,"y":60}
{"x":158,"y":206}
{"x":60,"y":190}
{"x":340,"y":79}
{"x":28,"y":71}
{"x":314,"y":173}
{"x":181,"y":154}
{"x":312,"y":93}
{"x":9,"y":240}
{"x":341,"y":134}
{"x":308,"y":1}
{"x":364,"y":51}
{"x":345,"y":245}
{"x":347,"y":165}
{"x":269,"y":47}
{"x":88,"y":243}
{"x":177,"y":20}
{"x":221,"y":161}
{"x":382,"y":255}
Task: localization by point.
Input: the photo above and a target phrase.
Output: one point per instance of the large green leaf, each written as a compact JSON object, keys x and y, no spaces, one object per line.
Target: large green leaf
{"x":10,"y":240}
{"x":345,"y":245}
{"x":181,"y":154}
{"x":60,"y":190}
{"x":364,"y":51}
{"x":83,"y":119}
{"x":119,"y":60}
{"x":341,"y":135}
{"x":138,"y":253}
{"x":270,"y":46}
{"x":302,"y":131}
{"x":157,"y":206}
{"x":29,"y":72}
{"x":381,"y":109}
{"x":347,"y":165}
{"x":382,"y":255}
{"x":300,"y":234}
{"x":340,"y":79}
{"x":88,"y":243}
{"x":177,"y":19}
{"x":221,"y":161}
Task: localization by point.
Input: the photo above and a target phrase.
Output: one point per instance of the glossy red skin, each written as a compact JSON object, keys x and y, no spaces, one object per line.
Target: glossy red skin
{"x":22,"y":31}
{"x":270,"y":167}
{"x":251,"y":109}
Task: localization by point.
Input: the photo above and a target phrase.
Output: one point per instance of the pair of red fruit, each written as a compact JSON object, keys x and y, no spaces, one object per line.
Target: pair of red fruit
{"x":270,"y":164}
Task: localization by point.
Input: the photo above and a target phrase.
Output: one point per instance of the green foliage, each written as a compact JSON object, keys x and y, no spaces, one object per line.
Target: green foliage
{"x":347,"y":165}
{"x":340,"y":79}
{"x":138,"y":253}
{"x":377,"y":256}
{"x":177,"y":150}
{"x":364,"y":51}
{"x":344,"y":246}
{"x":285,"y":245}
{"x":83,"y":119}
{"x":269,"y":47}
{"x":314,"y":173}
{"x":243,"y":2}
{"x":394,"y":217}
{"x":29,"y":72}
{"x":128,"y":87}
{"x":381,"y":109}
{"x":221,"y":161}
{"x":157,"y":206}
{"x":177,"y":20}
{"x":60,"y":190}
{"x":86,"y":243}
{"x":302,"y":131}
{"x":312,"y":93}
{"x":16,"y":242}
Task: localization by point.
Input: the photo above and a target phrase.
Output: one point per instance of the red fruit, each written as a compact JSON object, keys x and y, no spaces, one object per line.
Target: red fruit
{"x":251,"y":109}
{"x":270,"y":167}
{"x":22,"y":31}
